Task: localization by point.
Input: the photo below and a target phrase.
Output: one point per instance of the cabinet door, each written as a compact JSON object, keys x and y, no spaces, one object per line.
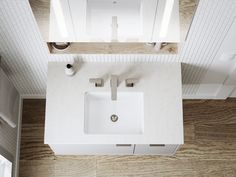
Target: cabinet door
{"x":155,"y":149}
{"x":93,"y":149}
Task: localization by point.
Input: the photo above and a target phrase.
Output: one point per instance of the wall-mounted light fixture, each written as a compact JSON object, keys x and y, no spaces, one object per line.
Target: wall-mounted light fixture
{"x":166,"y":17}
{"x":57,"y":8}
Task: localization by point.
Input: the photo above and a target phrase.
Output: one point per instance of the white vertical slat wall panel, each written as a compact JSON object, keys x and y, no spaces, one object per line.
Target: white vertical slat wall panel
{"x":8,"y":139}
{"x":25,"y":55}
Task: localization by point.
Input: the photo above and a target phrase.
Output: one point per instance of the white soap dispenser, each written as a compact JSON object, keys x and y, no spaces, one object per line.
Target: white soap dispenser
{"x":69,"y":70}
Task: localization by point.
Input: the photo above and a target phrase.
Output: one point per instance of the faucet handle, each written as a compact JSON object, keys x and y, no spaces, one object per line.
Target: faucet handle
{"x":130,"y":82}
{"x":97,"y":81}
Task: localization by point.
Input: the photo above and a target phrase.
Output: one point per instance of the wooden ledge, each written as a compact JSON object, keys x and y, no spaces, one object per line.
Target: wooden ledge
{"x":115,"y":48}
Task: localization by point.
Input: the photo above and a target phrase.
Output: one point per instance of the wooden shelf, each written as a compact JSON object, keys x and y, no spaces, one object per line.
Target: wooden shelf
{"x":114,"y":48}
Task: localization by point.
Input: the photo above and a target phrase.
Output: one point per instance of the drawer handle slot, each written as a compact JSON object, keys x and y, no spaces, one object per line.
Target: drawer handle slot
{"x":123,"y":145}
{"x":156,"y":145}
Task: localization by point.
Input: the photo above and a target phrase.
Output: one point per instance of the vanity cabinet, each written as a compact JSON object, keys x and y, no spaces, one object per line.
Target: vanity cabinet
{"x":155,"y":149}
{"x":115,"y":149}
{"x":78,"y":114}
{"x":93,"y":149}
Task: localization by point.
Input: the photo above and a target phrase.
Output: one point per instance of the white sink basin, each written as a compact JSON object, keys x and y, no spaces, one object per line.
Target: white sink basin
{"x":127,"y":109}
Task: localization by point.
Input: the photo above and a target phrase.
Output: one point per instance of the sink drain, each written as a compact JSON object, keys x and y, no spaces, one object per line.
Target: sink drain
{"x":114,"y":118}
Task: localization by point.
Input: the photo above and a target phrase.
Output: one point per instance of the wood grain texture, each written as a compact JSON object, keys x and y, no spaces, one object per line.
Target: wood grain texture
{"x":41,"y":10}
{"x":115,"y":48}
{"x":187,"y":10}
{"x":209,"y":149}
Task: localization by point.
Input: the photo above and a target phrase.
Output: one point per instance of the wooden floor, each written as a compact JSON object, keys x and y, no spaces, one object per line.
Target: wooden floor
{"x":209,"y":149}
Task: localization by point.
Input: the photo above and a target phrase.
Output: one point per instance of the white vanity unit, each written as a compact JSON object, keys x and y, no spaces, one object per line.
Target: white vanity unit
{"x":144,"y":117}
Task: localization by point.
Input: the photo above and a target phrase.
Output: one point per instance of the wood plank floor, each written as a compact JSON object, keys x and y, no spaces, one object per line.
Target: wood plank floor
{"x":209,"y":149}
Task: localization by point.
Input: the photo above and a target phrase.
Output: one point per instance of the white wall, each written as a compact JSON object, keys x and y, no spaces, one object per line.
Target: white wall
{"x":220,"y":78}
{"x":233,"y":94}
{"x":25,"y":54}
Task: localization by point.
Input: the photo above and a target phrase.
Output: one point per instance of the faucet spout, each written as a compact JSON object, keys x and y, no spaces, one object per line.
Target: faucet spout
{"x":114,"y":85}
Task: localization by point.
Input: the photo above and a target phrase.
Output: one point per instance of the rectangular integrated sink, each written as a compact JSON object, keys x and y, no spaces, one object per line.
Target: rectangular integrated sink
{"x":104,"y":116}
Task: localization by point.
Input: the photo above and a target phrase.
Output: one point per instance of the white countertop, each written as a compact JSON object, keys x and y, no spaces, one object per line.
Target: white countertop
{"x":160,"y":83}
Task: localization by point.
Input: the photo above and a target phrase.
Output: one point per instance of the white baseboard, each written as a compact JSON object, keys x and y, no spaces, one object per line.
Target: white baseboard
{"x":210,"y":91}
{"x":200,"y":97}
{"x":33,"y":96}
{"x":18,"y":139}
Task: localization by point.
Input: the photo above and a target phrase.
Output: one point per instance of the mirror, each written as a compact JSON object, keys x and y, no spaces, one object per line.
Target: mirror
{"x":112,"y":26}
{"x":114,"y":21}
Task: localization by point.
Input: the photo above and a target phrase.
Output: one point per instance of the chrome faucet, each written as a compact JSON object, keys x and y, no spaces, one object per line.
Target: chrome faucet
{"x":114,"y":85}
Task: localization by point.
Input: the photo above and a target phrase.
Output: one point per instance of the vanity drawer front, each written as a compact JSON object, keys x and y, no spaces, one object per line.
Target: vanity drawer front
{"x":93,"y":149}
{"x":155,"y":149}
{"x":124,"y":149}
